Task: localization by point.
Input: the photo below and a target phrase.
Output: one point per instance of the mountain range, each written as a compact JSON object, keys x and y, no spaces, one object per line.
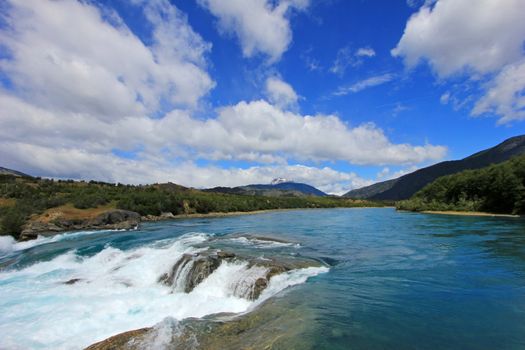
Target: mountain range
{"x":406,"y":186}
{"x":277,"y":188}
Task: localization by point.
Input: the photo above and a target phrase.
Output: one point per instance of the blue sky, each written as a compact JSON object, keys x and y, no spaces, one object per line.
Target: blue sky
{"x":338,"y":94}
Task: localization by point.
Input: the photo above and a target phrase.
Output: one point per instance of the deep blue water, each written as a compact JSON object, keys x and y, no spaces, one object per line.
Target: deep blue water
{"x":397,"y":280}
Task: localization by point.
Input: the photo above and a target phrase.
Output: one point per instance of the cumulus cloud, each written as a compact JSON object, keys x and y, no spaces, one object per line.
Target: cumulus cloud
{"x":364,"y":84}
{"x":263,"y":128}
{"x":79,"y":97}
{"x":74,"y":163}
{"x":505,"y":94}
{"x":262,"y":26}
{"x":280,"y":92}
{"x":65,"y":56}
{"x":457,"y":34}
{"x":482,"y":40}
{"x":365,"y":52}
{"x":256,"y":131}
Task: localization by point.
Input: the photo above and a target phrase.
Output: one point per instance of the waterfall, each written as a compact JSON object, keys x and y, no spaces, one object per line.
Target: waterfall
{"x":246,"y":280}
{"x":181,"y":275}
{"x":250,"y":282}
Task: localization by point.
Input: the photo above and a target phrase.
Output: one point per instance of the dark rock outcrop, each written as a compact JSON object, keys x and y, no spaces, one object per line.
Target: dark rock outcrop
{"x":191,"y":269}
{"x":116,"y":219}
{"x":161,"y":217}
{"x":196,"y":267}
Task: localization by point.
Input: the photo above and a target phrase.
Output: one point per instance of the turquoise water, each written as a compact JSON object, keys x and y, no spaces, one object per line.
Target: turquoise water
{"x":394,"y":280}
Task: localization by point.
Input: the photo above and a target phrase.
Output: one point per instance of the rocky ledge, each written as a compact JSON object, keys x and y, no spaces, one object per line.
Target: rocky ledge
{"x":191,"y":269}
{"x":114,"y":219}
{"x":270,"y":326}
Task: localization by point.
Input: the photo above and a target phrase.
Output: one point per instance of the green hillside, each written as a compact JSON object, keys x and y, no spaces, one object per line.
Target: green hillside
{"x":497,"y":188}
{"x":22,"y":198}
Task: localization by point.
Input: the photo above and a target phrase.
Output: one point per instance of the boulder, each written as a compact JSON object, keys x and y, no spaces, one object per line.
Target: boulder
{"x":202,"y":265}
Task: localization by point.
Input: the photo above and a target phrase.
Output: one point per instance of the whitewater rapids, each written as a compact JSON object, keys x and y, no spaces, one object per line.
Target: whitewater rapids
{"x":115,"y":291}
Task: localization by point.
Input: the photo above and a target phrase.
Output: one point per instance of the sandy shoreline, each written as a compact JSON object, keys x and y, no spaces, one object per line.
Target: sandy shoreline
{"x":467,"y":213}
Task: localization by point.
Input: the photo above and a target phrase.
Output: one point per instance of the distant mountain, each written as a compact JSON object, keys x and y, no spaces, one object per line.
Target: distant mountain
{"x":407,"y":185}
{"x":275,"y":189}
{"x":5,"y":171}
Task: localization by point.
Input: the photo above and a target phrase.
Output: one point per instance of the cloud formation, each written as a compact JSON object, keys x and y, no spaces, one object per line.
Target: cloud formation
{"x":78,"y":98}
{"x":100,"y":68}
{"x":364,"y":84}
{"x":365,"y":52}
{"x":458,"y":37}
{"x":280,"y":93}
{"x":262,"y":26}
{"x":346,"y":57}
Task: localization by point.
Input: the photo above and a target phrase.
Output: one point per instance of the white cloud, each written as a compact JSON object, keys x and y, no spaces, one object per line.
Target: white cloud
{"x":505,"y":94}
{"x":365,"y":52}
{"x":280,"y":93}
{"x":445,"y":98}
{"x":387,"y":174}
{"x":457,"y":34}
{"x":255,"y":131}
{"x":399,"y":108}
{"x":74,"y":104}
{"x":346,"y":57}
{"x":262,"y":26}
{"x":262,"y":128}
{"x":78,"y":164}
{"x":481,"y":39}
{"x":65,"y":56}
{"x":364,"y":84}
{"x":417,"y":3}
{"x":343,"y":59}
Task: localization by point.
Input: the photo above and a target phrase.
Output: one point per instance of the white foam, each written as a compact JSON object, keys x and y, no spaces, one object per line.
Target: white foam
{"x":262,"y":243}
{"x":117,"y":291}
{"x":8,"y":244}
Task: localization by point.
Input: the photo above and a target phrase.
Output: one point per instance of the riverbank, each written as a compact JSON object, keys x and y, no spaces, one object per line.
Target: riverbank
{"x":468,"y":213}
{"x":66,"y":218}
{"x":169,"y":216}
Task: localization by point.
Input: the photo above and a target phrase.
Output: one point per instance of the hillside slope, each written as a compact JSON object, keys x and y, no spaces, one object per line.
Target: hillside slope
{"x":406,"y":186}
{"x":6,"y":171}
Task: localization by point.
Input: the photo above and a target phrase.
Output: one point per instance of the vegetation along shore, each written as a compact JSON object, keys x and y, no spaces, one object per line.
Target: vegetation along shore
{"x":30,"y":206}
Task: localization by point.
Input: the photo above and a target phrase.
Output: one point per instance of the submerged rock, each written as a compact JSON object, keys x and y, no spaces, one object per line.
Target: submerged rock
{"x":120,"y":341}
{"x":72,"y":281}
{"x":274,"y":325}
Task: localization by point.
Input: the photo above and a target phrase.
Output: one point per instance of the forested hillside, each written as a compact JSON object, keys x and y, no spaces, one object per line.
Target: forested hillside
{"x":498,"y":188}
{"x":24,"y":197}
{"x":406,"y":186}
